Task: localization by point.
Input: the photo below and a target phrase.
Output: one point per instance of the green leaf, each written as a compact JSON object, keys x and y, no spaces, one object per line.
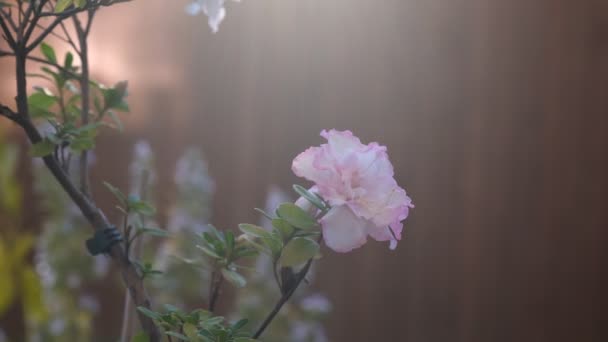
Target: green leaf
{"x":80,"y":3}
{"x":116,"y":120}
{"x":298,"y":251}
{"x":311,"y":197}
{"x":82,"y":144}
{"x":209,"y":251}
{"x":253,"y":230}
{"x":39,"y":104}
{"x":69,"y":59}
{"x":42,"y":148}
{"x":41,"y":100}
{"x":141,"y":337}
{"x":239,"y":324}
{"x":296,"y":216}
{"x":48,"y":51}
{"x":117,"y":193}
{"x":177,"y":335}
{"x":283,"y":227}
{"x":268,"y":216}
{"x":114,"y":97}
{"x":62,"y":5}
{"x":149,"y":313}
{"x":233,"y":277}
{"x":140,"y":207}
{"x":229,"y":240}
{"x":154,"y":232}
{"x":191,"y":331}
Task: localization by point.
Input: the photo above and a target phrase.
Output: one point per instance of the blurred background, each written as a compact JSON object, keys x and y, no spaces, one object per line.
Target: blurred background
{"x":493,"y":111}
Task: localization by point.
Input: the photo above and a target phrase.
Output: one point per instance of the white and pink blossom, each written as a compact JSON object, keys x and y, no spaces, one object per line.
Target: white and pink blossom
{"x":358,"y":182}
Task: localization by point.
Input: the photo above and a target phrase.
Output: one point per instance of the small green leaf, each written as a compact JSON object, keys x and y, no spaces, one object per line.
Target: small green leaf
{"x":229,"y":236}
{"x":114,"y":97}
{"x":296,"y":216}
{"x":209,"y":251}
{"x":149,"y":313}
{"x":39,"y":104}
{"x":234,"y":278}
{"x":154,"y":232}
{"x":117,"y":193}
{"x":116,"y":120}
{"x":283,"y":227}
{"x":41,"y":100}
{"x":171,"y":308}
{"x":42,"y":148}
{"x":82,"y":144}
{"x":191,"y":331}
{"x":140,"y":207}
{"x":48,"y":51}
{"x":311,"y":197}
{"x":298,"y":251}
{"x":141,"y":337}
{"x":253,"y":230}
{"x":265,"y":214}
{"x":69,"y":59}
{"x":177,"y":335}
{"x":80,"y":3}
{"x":239,"y":324}
{"x":274,"y":243}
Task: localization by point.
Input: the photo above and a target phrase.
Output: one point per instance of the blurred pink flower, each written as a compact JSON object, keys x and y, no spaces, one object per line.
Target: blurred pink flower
{"x":357,"y":181}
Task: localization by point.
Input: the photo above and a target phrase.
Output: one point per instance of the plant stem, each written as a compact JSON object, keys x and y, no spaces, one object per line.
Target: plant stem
{"x":215,"y":289}
{"x":284,"y":298}
{"x":83,"y":33}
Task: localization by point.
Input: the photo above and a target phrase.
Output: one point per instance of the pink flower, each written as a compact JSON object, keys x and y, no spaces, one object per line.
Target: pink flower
{"x":357,"y":181}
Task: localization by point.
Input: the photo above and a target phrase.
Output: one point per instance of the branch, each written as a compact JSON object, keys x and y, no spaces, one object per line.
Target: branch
{"x":214,"y":291}
{"x":9,"y":114}
{"x":9,"y":18}
{"x":284,"y":298}
{"x":7,"y":33}
{"x":82,"y":33}
{"x":43,"y":61}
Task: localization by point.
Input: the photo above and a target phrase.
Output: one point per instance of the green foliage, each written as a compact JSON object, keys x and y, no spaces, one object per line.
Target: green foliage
{"x":62,"y":5}
{"x":146,"y":269}
{"x":301,"y":317}
{"x":295,"y":216}
{"x":298,"y":251}
{"x":198,"y":325}
{"x":62,"y":107}
{"x":224,"y":251}
{"x":313,"y":198}
{"x":48,"y":52}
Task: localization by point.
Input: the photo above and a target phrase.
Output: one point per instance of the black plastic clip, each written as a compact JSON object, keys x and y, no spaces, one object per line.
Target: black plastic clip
{"x":103,"y":240}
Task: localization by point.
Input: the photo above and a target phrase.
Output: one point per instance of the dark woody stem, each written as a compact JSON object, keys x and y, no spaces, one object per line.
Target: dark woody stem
{"x":284,"y":298}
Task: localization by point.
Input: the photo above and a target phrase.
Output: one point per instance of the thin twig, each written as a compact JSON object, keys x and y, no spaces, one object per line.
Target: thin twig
{"x":9,"y":18}
{"x":284,"y":298}
{"x":82,"y":33}
{"x":7,"y":33}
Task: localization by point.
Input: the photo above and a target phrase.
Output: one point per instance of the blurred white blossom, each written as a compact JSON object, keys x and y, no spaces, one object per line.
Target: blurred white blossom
{"x":213,"y":9}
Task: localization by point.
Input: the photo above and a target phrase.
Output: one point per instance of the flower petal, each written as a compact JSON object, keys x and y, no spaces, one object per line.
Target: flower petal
{"x":343,"y":231}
